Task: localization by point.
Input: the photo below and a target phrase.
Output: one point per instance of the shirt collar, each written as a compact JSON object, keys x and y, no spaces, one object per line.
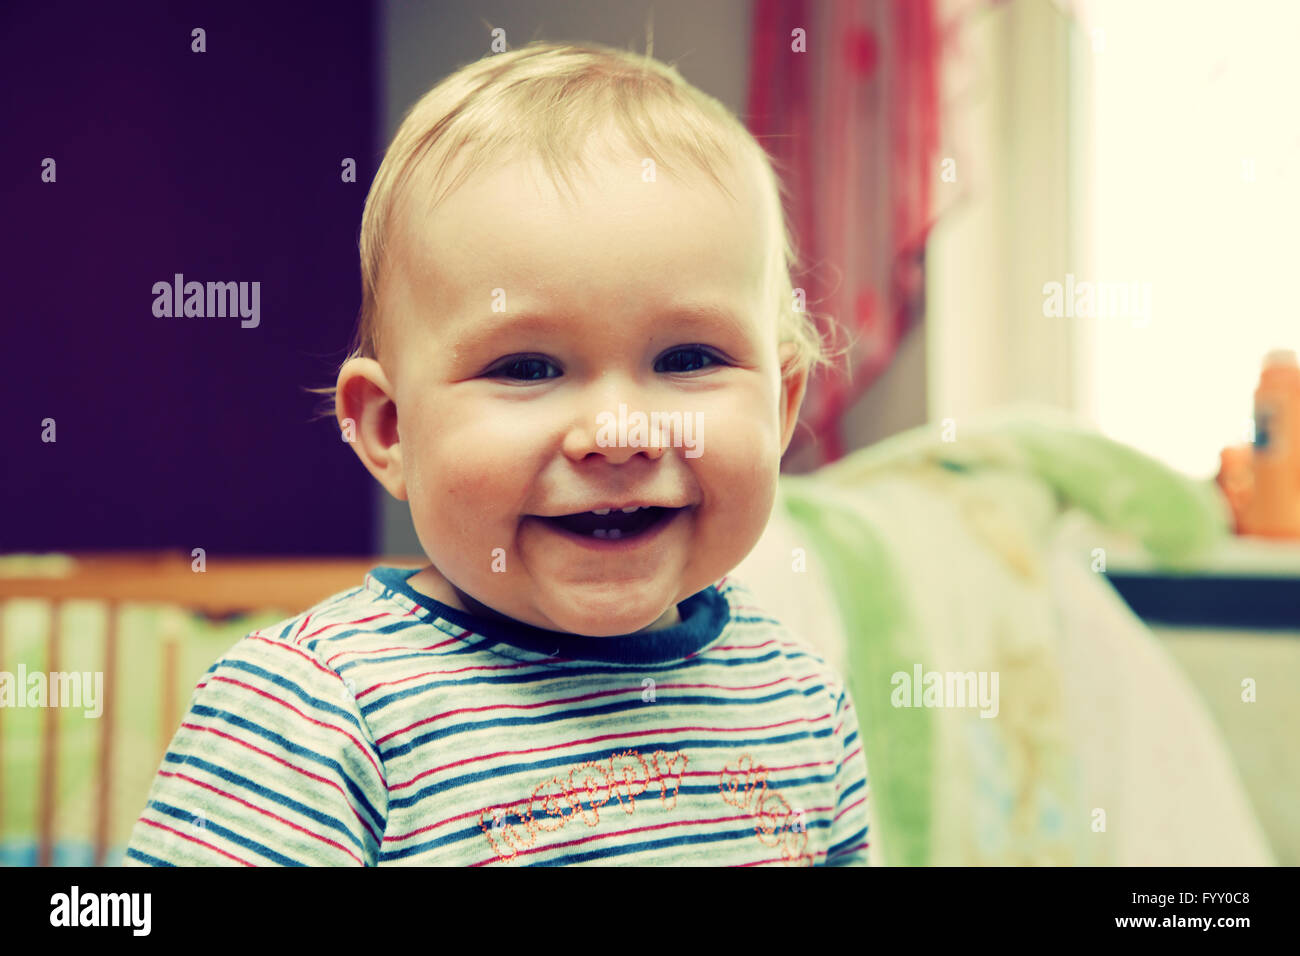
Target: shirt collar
{"x":703,"y":617}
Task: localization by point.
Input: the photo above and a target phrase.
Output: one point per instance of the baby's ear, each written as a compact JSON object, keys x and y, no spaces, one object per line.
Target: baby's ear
{"x":367,"y":417}
{"x":794,"y":384}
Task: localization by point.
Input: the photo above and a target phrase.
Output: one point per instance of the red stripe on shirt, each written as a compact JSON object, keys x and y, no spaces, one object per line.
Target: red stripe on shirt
{"x":306,"y":773}
{"x":267,"y":813}
{"x":186,"y":836}
{"x":591,"y":740}
{"x":319,"y":723}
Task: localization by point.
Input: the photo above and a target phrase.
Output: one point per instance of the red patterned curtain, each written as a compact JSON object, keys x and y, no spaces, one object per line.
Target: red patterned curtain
{"x":852,"y":122}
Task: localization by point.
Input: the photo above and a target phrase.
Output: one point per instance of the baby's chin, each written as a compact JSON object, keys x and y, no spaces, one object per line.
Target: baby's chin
{"x":607,"y":614}
{"x":587,"y":610}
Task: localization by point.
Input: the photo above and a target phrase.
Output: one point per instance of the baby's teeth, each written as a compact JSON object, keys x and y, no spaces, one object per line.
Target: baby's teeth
{"x":600,"y":533}
{"x":615,"y":533}
{"x":628,"y":511}
{"x":601,"y":511}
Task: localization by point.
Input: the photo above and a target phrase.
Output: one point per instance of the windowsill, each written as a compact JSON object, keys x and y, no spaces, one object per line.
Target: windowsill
{"x":1247,"y":583}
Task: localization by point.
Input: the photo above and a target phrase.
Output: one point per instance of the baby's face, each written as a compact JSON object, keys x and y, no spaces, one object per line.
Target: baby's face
{"x":521,"y":329}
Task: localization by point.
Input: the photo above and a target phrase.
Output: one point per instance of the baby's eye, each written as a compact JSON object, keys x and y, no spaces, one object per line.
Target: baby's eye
{"x":688,"y":359}
{"x":525,"y":369}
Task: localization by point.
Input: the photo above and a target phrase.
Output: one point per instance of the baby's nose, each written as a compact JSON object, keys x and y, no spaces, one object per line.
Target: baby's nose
{"x":616,"y":429}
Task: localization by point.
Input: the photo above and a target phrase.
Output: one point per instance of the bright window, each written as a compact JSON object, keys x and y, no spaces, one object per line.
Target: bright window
{"x":1195,"y":189}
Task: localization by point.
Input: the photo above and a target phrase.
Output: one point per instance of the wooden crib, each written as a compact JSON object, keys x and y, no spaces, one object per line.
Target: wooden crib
{"x":224,"y":587}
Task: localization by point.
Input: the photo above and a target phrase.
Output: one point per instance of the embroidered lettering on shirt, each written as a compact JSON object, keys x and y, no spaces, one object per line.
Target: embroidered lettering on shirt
{"x":581,"y":793}
{"x":587,"y":788}
{"x":745,"y":788}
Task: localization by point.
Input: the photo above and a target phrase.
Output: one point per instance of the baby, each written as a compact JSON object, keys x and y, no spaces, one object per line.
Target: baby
{"x":578,"y":360}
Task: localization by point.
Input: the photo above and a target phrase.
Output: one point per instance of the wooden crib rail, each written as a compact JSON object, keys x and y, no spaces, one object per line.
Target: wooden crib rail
{"x":227,"y":585}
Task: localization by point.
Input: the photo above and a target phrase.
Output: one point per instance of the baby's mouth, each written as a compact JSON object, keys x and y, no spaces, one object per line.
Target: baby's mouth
{"x":614,"y":525}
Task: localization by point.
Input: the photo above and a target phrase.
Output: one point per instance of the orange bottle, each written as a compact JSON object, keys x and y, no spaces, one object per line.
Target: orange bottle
{"x":1274,"y":506}
{"x":1236,"y":481}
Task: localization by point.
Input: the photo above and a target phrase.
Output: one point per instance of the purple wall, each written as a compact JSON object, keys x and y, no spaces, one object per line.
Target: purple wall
{"x":224,"y":166}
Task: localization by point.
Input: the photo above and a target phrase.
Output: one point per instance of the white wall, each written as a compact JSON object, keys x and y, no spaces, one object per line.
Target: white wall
{"x":1009,"y":223}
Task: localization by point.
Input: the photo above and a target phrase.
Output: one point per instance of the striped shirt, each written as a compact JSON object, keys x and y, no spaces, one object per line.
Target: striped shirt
{"x":384,"y":727}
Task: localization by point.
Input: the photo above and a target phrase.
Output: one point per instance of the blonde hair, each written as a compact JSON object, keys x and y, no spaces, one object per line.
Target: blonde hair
{"x":546,"y":100}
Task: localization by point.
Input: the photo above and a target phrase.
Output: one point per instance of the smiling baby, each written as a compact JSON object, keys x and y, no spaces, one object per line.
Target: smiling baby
{"x":577,"y":359}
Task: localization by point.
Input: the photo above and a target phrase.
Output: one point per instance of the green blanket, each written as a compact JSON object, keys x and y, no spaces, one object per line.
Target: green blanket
{"x":934,"y":543}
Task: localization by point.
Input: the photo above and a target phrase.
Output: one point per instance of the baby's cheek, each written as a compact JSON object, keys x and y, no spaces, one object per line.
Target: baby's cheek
{"x":739,"y":471}
{"x":741,"y":451}
{"x":471,"y":456}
